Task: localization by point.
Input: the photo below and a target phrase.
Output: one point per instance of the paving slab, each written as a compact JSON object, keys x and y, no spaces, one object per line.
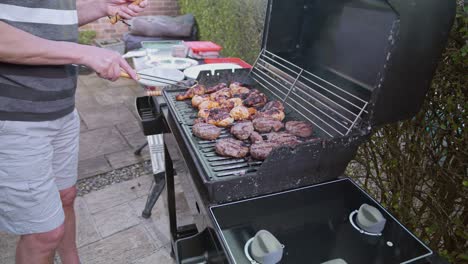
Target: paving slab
{"x":104,"y":116}
{"x":109,"y":197}
{"x":114,"y":95}
{"x":121,"y":248}
{"x":86,"y":228}
{"x":90,"y":167}
{"x":140,"y":186}
{"x":126,"y":158}
{"x":162,"y":256}
{"x":85,"y":101}
{"x":7,"y":248}
{"x":136,"y":139}
{"x":92,"y":81}
{"x":115,"y":219}
{"x":157,"y":225}
{"x":129,"y":128}
{"x":102,"y":141}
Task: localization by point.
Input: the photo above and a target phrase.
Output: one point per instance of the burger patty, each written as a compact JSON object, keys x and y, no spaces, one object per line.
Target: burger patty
{"x":267,"y":124}
{"x":230,"y":147}
{"x":206,"y":131}
{"x":299,"y":128}
{"x":242,"y":130}
{"x":260,"y":151}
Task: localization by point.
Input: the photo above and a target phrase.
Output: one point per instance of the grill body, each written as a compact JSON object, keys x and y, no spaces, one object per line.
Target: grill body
{"x":228,"y":179}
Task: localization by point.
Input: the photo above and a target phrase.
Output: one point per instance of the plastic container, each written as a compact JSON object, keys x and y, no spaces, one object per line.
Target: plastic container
{"x":179,"y":51}
{"x":163,"y":47}
{"x":238,"y":61}
{"x":203,"y":46}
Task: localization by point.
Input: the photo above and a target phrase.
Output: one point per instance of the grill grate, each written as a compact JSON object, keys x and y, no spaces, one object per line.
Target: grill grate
{"x":333,"y":110}
{"x":218,"y":166}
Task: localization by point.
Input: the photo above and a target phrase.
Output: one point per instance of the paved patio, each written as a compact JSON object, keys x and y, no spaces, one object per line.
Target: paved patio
{"x":109,"y":124}
{"x":110,"y":228}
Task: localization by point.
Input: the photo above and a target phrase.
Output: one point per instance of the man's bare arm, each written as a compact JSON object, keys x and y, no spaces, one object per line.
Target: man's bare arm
{"x":91,"y":10}
{"x":20,"y":47}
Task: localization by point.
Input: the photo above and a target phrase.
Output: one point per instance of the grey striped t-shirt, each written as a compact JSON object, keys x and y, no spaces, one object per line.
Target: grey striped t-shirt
{"x":42,"y":92}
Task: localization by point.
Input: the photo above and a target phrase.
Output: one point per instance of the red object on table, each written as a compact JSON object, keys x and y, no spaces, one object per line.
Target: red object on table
{"x":237,"y":61}
{"x":203,"y":46}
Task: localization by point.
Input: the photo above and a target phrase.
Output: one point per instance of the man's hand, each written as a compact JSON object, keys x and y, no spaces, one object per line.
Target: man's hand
{"x":107,"y":64}
{"x":125,"y":8}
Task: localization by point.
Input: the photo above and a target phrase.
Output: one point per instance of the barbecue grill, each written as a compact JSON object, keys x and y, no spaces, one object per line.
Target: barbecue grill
{"x":345,"y":66}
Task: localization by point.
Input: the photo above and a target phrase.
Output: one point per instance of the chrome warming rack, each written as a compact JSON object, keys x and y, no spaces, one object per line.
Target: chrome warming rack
{"x":333,"y":110}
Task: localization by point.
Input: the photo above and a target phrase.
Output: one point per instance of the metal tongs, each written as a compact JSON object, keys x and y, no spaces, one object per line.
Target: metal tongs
{"x":183,"y":84}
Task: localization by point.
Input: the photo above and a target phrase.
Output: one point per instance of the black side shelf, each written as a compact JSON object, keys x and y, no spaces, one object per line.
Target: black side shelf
{"x":152,"y":121}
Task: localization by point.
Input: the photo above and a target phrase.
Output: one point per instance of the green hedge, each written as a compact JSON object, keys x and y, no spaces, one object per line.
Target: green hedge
{"x":419,"y":168}
{"x":235,"y":25}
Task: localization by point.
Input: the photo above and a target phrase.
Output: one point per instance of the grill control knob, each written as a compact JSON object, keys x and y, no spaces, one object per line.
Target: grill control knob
{"x":335,"y":261}
{"x":370,"y":219}
{"x":264,"y":248}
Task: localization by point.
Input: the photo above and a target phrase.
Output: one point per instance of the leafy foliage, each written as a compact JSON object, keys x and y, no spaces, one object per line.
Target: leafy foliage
{"x":235,"y":25}
{"x":86,"y":37}
{"x":418,"y":168}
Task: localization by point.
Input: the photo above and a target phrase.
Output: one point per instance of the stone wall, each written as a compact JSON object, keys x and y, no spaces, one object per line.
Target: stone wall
{"x":105,"y":29}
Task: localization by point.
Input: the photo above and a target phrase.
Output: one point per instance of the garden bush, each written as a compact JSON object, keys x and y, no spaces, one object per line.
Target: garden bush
{"x":416,"y":168}
{"x":235,"y":25}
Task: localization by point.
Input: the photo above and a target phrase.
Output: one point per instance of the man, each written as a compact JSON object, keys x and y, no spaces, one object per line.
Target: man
{"x":39,"y":126}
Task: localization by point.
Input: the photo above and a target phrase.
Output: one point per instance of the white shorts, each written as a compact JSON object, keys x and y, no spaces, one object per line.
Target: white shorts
{"x":37,"y":159}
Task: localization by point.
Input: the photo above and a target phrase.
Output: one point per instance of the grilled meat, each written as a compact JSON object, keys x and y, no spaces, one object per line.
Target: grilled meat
{"x":198,"y":99}
{"x":252,"y":112}
{"x":203,"y":114}
{"x":273,"y":109}
{"x":231,"y":103}
{"x":255,"y":137}
{"x":215,"y":88}
{"x":191,"y":92}
{"x":240,"y":113}
{"x":219,"y":117}
{"x":237,"y":90}
{"x":260,"y":151}
{"x":283,"y":139}
{"x":299,"y":128}
{"x":199,"y":120}
{"x":221,"y":95}
{"x":208,"y":105}
{"x":267,"y":124}
{"x":273,"y":105}
{"x":274,"y":113}
{"x":230,"y":147}
{"x":255,"y":99}
{"x":206,"y":131}
{"x":242,"y":130}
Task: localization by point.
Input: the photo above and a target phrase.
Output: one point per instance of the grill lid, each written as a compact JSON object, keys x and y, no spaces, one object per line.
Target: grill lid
{"x":386,"y":51}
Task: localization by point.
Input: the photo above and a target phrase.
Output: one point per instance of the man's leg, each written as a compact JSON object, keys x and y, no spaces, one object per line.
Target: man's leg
{"x":30,"y":203}
{"x":67,"y":248}
{"x":39,"y":248}
{"x":65,"y":167}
